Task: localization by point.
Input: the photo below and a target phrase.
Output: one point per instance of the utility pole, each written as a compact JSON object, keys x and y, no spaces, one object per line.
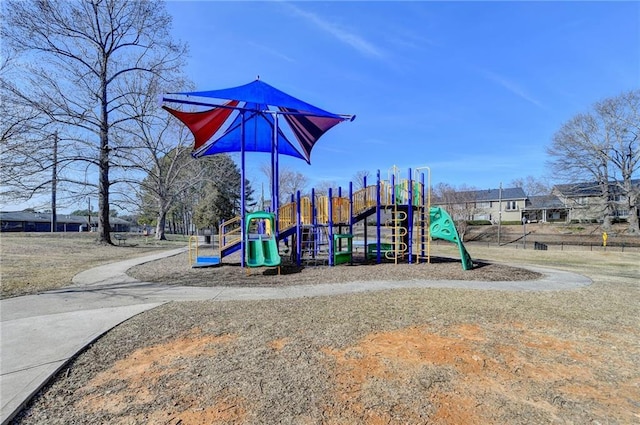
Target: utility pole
{"x":499,"y":212}
{"x":54,"y":183}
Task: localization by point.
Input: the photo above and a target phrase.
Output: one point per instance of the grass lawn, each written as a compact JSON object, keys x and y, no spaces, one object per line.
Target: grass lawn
{"x":36,"y":262}
{"x":442,"y":356}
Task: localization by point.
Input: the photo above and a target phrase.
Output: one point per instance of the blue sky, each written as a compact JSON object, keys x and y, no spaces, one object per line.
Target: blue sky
{"x":474,"y":90}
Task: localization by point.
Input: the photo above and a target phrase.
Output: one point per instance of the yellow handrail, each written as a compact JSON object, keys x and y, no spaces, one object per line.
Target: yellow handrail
{"x":193,"y":241}
{"x":322,"y":209}
{"x":340,"y":210}
{"x":306,"y":214}
{"x":363,"y":199}
{"x":230,"y":232}
{"x":287,"y":216}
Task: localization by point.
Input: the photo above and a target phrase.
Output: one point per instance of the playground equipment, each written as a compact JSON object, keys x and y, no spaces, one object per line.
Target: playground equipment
{"x":321,"y":228}
{"x":342,"y":254}
{"x":196,"y":260}
{"x":229,"y":236}
{"x":260,"y":240}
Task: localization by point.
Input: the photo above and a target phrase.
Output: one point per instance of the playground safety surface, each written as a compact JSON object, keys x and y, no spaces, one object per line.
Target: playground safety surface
{"x":410,"y":356}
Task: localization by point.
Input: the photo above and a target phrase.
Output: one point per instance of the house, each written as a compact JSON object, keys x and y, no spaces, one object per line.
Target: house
{"x":28,"y":221}
{"x":585,"y":203}
{"x":493,"y":205}
{"x":545,"y":208}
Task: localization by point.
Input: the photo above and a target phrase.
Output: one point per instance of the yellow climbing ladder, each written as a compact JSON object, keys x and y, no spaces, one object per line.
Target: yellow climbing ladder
{"x":398,"y":232}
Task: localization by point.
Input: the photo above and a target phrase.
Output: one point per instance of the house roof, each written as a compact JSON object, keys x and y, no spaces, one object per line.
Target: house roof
{"x":544,"y":202}
{"x":508,"y":194}
{"x":592,"y":188}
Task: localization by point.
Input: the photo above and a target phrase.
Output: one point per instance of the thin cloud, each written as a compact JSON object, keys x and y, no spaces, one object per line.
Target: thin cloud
{"x":272,"y":52}
{"x":512,"y":87}
{"x":349,"y":38}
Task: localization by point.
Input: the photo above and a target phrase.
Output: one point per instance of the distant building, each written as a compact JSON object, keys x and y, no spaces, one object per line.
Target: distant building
{"x":584,"y":201}
{"x":492,"y":204}
{"x":27,"y":221}
{"x":545,"y":208}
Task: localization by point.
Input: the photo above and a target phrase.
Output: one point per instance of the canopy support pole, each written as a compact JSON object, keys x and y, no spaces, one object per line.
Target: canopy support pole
{"x":242,"y":194}
{"x":274,"y":176}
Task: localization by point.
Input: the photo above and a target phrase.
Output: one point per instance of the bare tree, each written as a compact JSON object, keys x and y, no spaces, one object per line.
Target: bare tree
{"x":170,"y":172}
{"x":359,"y":179}
{"x":77,"y":59}
{"x":460,"y":203}
{"x":289,"y":181}
{"x":152,"y":154}
{"x":532,"y":186}
{"x":579,"y":153}
{"x":603,"y":146}
{"x":621,"y":117}
{"x":323,"y":186}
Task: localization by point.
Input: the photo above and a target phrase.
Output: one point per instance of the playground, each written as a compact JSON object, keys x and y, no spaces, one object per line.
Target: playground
{"x":391,"y":220}
{"x":257,"y":117}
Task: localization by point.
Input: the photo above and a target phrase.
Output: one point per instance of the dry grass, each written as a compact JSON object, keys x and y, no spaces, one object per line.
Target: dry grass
{"x":443,"y":356}
{"x":36,"y":262}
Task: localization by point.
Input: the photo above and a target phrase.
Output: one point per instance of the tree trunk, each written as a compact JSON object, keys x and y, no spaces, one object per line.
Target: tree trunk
{"x":632,"y":195}
{"x":104,"y":227}
{"x":634,"y":225}
{"x":162,"y":220}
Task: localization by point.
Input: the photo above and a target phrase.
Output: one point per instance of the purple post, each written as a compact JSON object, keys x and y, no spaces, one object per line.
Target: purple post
{"x":410,"y":217}
{"x":314,"y":223}
{"x":330,"y":229}
{"x":364,"y":182}
{"x":422,"y":218}
{"x":298,"y":231}
{"x":274,"y":177}
{"x":378,"y":217}
{"x":242,"y":193}
{"x":351,"y":208}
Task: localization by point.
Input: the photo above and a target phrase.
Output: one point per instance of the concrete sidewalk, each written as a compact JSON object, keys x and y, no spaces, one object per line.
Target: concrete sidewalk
{"x":41,"y":333}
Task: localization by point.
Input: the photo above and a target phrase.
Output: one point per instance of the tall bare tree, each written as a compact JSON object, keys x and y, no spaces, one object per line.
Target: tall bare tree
{"x":152,"y":155}
{"x":532,"y":186}
{"x":77,"y":59}
{"x":621,"y":118}
{"x":289,"y":181}
{"x":602,"y":146}
{"x":322,"y":188}
{"x":460,"y":203}
{"x":359,"y":179}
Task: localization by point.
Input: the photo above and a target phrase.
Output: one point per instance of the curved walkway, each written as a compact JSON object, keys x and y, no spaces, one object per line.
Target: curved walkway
{"x":41,"y":333}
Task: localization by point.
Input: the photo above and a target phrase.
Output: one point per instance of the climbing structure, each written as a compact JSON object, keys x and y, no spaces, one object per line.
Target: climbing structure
{"x":320,"y":228}
{"x":443,"y":227}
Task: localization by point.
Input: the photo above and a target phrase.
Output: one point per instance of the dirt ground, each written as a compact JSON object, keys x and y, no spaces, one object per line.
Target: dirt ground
{"x":432,"y":356}
{"x":177,"y":271}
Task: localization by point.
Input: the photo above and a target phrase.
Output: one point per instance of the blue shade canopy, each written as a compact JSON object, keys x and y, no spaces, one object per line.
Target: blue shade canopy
{"x":258,"y":137}
{"x":260,"y":93}
{"x":257,"y":103}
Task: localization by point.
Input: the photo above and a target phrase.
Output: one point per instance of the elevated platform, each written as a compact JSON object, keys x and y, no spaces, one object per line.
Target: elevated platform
{"x":206,"y":262}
